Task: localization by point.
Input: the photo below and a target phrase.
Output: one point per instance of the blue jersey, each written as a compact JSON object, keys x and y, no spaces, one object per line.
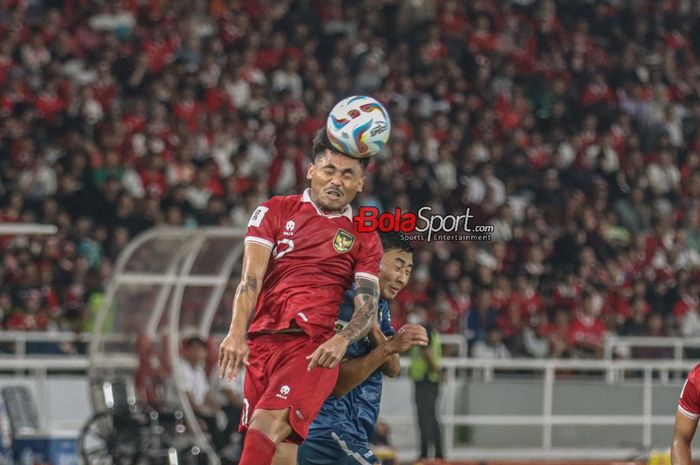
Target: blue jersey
{"x":352,"y":418}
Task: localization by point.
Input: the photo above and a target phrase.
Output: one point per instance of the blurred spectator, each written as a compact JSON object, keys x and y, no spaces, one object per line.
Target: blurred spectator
{"x":201,"y":397}
{"x":492,"y":347}
{"x":426,"y":372}
{"x":636,"y":324}
{"x":654,"y":327}
{"x":574,"y":132}
{"x":587,"y":329}
{"x":481,"y":318}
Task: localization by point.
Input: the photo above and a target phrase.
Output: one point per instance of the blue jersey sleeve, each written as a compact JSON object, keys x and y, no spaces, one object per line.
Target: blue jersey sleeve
{"x":352,"y":418}
{"x":385,"y":323}
{"x":347,"y":308}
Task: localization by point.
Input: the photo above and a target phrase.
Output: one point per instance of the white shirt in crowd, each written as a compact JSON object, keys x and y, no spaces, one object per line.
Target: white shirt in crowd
{"x":195,"y":381}
{"x":484,"y":351}
{"x":663,"y":179}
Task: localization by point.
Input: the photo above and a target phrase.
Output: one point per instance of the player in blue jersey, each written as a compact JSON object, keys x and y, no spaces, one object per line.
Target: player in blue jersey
{"x":341,"y":431}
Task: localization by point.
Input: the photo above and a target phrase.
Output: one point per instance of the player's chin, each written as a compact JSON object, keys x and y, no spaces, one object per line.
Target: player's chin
{"x":334,"y":202}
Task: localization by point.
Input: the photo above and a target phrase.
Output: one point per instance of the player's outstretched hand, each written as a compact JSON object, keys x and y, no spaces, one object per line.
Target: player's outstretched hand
{"x":409,"y":336}
{"x":329,"y":354}
{"x":233,"y":352}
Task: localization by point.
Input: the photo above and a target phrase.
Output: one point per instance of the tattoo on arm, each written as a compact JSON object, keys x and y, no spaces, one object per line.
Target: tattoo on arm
{"x":366,"y":303}
{"x":246,"y":294}
{"x":248,"y":283}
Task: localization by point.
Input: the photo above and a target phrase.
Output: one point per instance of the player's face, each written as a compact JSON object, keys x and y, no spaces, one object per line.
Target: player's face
{"x":335,"y":180}
{"x":396,"y":269}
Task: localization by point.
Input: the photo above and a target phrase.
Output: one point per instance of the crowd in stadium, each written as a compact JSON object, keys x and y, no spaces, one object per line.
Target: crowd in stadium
{"x":571,"y":126}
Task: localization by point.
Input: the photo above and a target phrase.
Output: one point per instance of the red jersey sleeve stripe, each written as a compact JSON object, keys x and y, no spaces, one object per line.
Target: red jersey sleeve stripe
{"x":364,"y":275}
{"x":688,"y":414}
{"x":259,"y":240}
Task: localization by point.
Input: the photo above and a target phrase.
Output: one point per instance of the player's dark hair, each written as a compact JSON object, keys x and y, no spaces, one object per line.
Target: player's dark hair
{"x":393,"y":240}
{"x":321,"y":143}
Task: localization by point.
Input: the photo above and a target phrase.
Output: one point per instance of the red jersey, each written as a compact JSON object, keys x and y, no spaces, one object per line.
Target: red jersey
{"x":314,"y":259}
{"x":689,"y":403}
{"x":587,"y":330}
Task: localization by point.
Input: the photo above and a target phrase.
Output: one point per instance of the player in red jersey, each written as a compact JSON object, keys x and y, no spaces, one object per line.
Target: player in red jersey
{"x":301,"y":253}
{"x":686,"y":419}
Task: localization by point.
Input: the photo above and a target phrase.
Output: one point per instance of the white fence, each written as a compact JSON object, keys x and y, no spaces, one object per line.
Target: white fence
{"x":542,"y":378}
{"x":59,"y":383}
{"x":647,"y":374}
{"x":18,"y":344}
{"x":615,"y":346}
{"x":619,"y":346}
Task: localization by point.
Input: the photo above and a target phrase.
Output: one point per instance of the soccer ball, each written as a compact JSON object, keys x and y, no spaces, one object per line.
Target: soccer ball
{"x":358,"y":126}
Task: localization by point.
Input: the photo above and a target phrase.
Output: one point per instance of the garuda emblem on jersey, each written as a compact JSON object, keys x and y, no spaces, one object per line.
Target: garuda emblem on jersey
{"x":343,"y":241}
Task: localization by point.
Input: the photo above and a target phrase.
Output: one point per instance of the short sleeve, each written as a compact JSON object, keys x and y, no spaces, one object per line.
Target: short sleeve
{"x":688,"y":403}
{"x":385,"y":324}
{"x":263,"y":225}
{"x":370,"y":257}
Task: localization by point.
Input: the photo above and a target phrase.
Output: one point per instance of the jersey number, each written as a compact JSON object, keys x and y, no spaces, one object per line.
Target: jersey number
{"x":280,"y":250}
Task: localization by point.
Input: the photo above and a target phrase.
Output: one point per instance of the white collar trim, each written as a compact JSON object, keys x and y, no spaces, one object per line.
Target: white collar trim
{"x":347,"y":211}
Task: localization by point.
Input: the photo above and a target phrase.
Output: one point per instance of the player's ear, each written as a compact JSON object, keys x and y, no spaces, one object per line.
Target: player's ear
{"x":310,"y":171}
{"x":361,"y":185}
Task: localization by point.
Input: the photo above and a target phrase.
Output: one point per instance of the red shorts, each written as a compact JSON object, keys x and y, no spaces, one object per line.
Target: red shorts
{"x":277,"y":378}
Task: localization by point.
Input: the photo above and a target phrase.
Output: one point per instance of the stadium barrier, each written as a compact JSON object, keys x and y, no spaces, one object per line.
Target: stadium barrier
{"x":623,"y":346}
{"x":511,"y":409}
{"x":655,"y":385}
{"x":18,"y":344}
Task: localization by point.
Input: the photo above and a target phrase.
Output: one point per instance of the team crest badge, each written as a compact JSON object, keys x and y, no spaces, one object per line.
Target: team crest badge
{"x":343,"y":241}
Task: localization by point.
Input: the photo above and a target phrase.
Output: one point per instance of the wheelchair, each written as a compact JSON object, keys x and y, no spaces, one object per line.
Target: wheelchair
{"x":133,"y":424}
{"x":127,"y":432}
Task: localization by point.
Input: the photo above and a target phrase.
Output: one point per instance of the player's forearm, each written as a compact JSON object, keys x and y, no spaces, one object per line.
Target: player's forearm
{"x":354,"y":371}
{"x":244,"y":303}
{"x":392,"y":366}
{"x":366,"y":303}
{"x":680,"y":451}
{"x":255,"y":260}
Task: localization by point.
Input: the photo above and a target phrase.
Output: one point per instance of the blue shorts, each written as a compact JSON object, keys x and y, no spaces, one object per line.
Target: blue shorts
{"x":335,"y":451}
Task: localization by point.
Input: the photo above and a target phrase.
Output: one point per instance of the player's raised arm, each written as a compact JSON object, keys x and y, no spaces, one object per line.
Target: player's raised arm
{"x":687,"y":417}
{"x":391,"y":366}
{"x":683,"y":434}
{"x":385,"y":355}
{"x":408,"y":336}
{"x":331,"y":352}
{"x":366,"y":305}
{"x":234,"y":349}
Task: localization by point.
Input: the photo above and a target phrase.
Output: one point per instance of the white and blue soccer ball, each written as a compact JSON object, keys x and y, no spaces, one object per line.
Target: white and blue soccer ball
{"x":358,"y":126}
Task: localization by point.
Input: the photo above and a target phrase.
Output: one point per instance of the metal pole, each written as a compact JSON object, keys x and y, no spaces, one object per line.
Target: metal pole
{"x":646,"y":408}
{"x":173,"y":350}
{"x":547,"y":406}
